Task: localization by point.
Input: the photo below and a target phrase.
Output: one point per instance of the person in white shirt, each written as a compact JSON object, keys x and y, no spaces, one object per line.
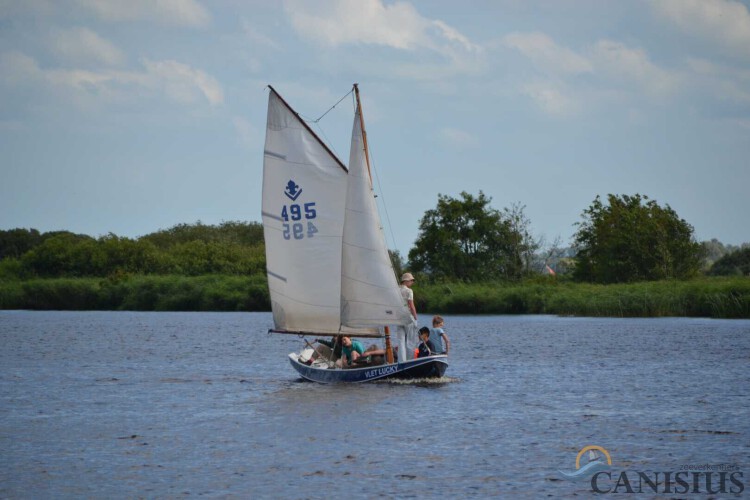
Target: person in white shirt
{"x":407,"y":280}
{"x":407,"y":336}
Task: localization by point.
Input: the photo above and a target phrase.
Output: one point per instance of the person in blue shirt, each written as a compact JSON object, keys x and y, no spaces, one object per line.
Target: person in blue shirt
{"x":350,"y":351}
{"x":426,"y":347}
{"x":438,"y":336}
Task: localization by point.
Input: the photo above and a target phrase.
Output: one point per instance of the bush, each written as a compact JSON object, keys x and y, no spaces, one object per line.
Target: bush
{"x":61,"y":294}
{"x":707,"y":297}
{"x":733,"y":264}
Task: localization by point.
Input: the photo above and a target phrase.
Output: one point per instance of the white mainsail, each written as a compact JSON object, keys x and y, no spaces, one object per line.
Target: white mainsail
{"x":370,"y":295}
{"x":304,"y":190}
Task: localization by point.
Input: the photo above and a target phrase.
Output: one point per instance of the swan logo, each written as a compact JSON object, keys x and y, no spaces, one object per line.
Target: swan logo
{"x":595,"y":459}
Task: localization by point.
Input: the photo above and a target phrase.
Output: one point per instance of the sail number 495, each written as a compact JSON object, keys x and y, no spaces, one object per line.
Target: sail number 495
{"x":294,"y":217}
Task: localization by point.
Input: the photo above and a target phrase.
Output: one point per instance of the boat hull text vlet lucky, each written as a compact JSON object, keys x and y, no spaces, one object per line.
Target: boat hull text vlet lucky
{"x":329,"y":271}
{"x":429,"y":367}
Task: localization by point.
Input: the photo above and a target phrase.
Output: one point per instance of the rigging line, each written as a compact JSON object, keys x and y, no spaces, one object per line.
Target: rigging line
{"x":320,"y":129}
{"x":385,"y":206}
{"x":329,"y":109}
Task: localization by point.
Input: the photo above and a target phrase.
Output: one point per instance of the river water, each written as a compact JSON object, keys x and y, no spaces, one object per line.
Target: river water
{"x":129,"y":404}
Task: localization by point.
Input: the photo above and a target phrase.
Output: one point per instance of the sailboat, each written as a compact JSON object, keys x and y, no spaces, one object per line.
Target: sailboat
{"x":328,"y":267}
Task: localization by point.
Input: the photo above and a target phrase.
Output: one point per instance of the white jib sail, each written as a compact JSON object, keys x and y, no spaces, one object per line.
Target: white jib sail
{"x":370,"y":296}
{"x":304,"y":189}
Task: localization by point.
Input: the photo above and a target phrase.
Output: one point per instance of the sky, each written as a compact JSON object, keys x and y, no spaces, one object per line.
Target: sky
{"x":130,"y":117}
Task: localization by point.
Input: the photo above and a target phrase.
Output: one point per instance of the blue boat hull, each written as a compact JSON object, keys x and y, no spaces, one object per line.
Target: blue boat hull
{"x":429,"y":367}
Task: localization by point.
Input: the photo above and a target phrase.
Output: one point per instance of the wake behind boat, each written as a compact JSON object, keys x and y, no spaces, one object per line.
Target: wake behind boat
{"x":329,"y":271}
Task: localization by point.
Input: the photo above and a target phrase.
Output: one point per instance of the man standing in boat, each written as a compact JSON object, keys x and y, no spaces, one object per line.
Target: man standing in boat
{"x":407,"y":337}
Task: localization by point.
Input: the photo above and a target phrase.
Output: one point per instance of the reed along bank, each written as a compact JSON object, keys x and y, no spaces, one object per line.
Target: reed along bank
{"x":701,"y":297}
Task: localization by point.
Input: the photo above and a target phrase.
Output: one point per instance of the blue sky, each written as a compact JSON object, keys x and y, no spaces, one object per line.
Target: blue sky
{"x":129,"y":117}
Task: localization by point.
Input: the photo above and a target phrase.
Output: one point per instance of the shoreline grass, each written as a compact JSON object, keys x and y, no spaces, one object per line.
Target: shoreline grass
{"x":699,"y":297}
{"x":712,"y":297}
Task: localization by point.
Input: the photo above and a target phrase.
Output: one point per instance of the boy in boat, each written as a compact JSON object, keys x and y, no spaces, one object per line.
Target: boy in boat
{"x":351,"y":350}
{"x":426,"y":347}
{"x":374,"y":356}
{"x":438,"y":336}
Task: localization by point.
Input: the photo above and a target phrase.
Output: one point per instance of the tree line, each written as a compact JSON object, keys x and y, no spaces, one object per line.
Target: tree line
{"x":231,"y":248}
{"x":464,"y":239}
{"x":621,"y":240}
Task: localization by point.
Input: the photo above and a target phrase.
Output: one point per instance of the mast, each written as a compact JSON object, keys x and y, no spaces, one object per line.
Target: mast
{"x":364,"y":133}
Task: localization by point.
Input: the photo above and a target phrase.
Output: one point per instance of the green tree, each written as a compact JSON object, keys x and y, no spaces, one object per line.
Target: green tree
{"x":633,"y":239}
{"x":522,"y":244}
{"x":16,"y":242}
{"x":735,"y":263}
{"x":231,"y":248}
{"x":466,"y":239}
{"x":241,"y":233}
{"x":397,"y":262}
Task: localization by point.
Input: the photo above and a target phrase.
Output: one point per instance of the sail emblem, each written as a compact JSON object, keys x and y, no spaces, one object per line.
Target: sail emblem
{"x":292,"y":190}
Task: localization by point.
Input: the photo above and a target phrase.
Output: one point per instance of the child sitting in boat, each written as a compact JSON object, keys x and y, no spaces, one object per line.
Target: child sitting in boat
{"x":374,"y":356}
{"x":351,"y":350}
{"x":426,"y":347}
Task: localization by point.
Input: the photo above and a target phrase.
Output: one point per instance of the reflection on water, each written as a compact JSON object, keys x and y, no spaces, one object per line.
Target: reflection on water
{"x":164,"y":404}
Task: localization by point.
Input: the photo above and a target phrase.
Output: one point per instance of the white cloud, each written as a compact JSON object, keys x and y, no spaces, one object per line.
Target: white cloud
{"x":78,"y":79}
{"x":710,"y":68}
{"x":17,"y":68}
{"x":459,"y":137}
{"x":609,"y":72}
{"x":256,"y":37}
{"x":453,"y":35}
{"x":547,"y":55}
{"x":627,"y":65}
{"x":549,"y":98}
{"x":727,"y":83}
{"x":725,"y":22}
{"x":612,"y":61}
{"x":427,"y":49}
{"x":368,"y":21}
{"x":398,"y":25}
{"x":182,"y":82}
{"x":610,"y":68}
{"x":83,"y":46}
{"x":20,"y":70}
{"x":171,"y":12}
{"x":177,"y":81}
